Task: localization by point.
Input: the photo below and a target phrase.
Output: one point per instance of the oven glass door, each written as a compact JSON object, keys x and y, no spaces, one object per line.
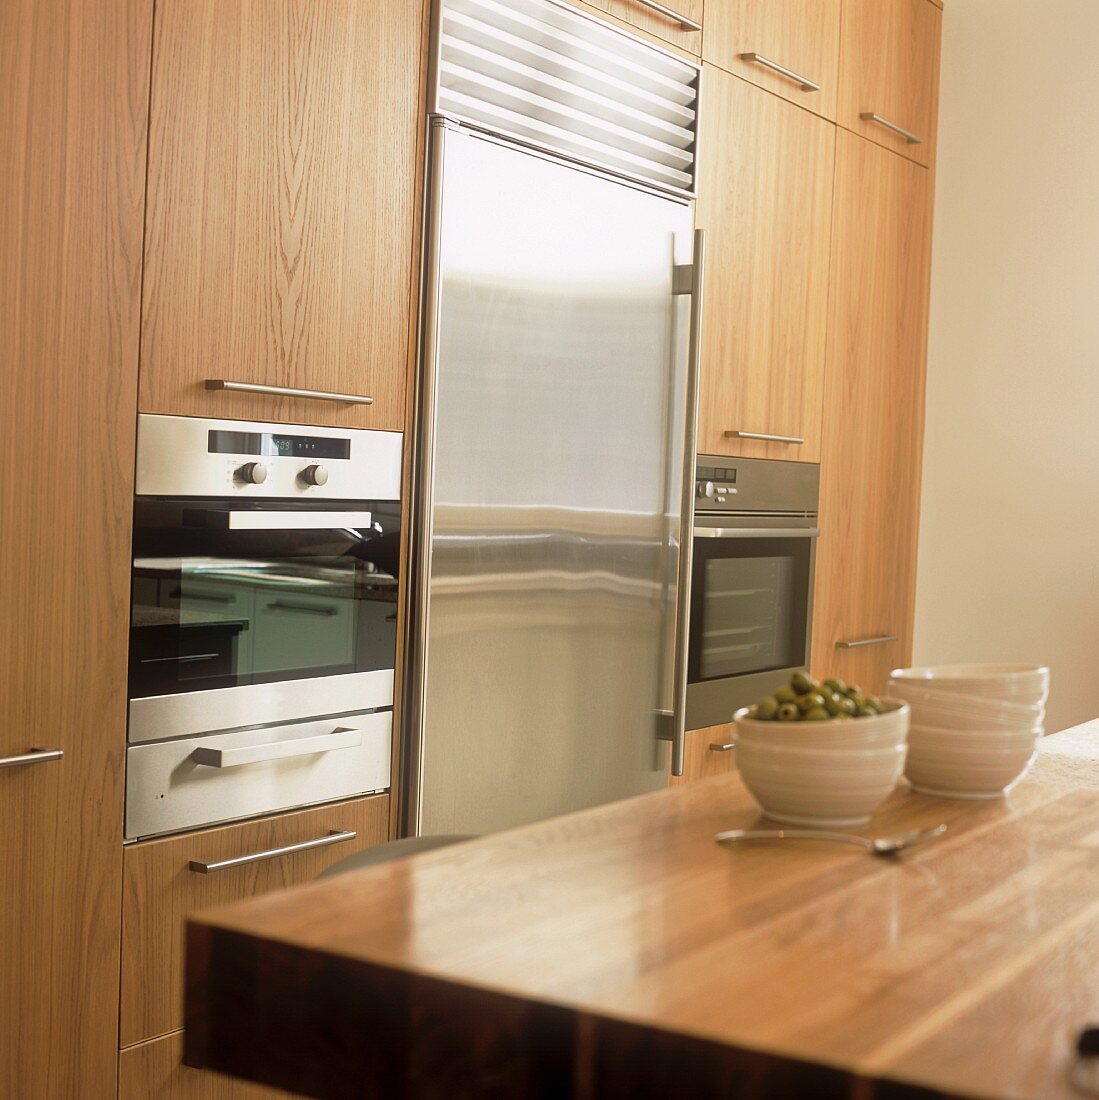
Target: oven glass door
{"x":224,"y":596}
{"x":749,"y":604}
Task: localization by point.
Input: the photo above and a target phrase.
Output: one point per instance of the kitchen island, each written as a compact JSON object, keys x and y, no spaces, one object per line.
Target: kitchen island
{"x":621,"y":952}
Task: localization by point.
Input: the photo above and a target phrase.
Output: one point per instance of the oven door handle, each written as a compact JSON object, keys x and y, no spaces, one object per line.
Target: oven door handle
{"x":756,"y":532}
{"x":266,"y":520}
{"x":340,"y":738}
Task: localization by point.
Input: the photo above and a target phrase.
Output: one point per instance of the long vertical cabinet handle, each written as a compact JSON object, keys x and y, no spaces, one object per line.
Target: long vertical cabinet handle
{"x":686,"y":517}
{"x":421,"y":482}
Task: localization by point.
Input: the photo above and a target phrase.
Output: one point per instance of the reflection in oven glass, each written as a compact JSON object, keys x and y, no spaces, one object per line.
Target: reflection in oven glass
{"x":747,"y":616}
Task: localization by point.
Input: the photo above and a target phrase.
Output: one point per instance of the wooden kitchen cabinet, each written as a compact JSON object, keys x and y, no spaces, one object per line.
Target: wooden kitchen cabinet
{"x":889,"y":66}
{"x":701,"y":759}
{"x":282,"y":189}
{"x":765,"y":201}
{"x":73,"y":124}
{"x":655,"y":24}
{"x":873,"y":422}
{"x":161,"y":891}
{"x":800,"y":36}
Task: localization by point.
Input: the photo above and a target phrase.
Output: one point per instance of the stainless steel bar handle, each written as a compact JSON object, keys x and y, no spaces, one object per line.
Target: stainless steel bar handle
{"x":686,"y":519}
{"x":911,"y":138}
{"x":807,"y":85}
{"x":766,"y":437}
{"x":717,"y":746}
{"x":858,"y":643}
{"x":674,"y":16}
{"x":35,"y":756}
{"x":756,"y":532}
{"x":336,"y":836}
{"x":287,"y":391}
{"x":339,"y":738}
{"x":263,"y":519}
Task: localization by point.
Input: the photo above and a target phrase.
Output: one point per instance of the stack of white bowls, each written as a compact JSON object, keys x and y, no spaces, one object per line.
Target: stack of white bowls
{"x":824,"y":774}
{"x":974,"y":728}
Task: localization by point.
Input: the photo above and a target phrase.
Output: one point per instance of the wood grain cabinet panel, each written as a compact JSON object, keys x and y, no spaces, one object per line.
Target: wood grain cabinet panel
{"x":161,"y":891}
{"x":801,"y":36}
{"x":765,"y":200}
{"x":73,"y":125}
{"x":889,"y":66}
{"x":654,"y":24}
{"x":282,"y":191}
{"x":701,"y":761}
{"x":873,"y":425}
{"x":155,"y":1071}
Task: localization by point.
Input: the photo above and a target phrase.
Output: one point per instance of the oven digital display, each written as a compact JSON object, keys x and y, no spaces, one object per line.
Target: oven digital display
{"x":279,"y":446}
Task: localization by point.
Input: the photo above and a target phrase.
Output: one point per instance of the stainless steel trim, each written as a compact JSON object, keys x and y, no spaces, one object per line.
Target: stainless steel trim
{"x":911,"y":138}
{"x":807,"y":85}
{"x":340,"y":738}
{"x":766,"y":437}
{"x":686,"y":522}
{"x":717,"y":746}
{"x":287,"y":391}
{"x":336,"y":836}
{"x":267,"y":520}
{"x":858,"y":643}
{"x":191,"y":713}
{"x":35,"y":756}
{"x":686,"y":23}
{"x":757,"y":532}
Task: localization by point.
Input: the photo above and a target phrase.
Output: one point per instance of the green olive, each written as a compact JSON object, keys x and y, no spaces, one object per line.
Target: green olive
{"x":787,"y":712}
{"x":832,"y":703}
{"x":876,"y":703}
{"x":807,"y":702}
{"x":786,"y":695}
{"x":817,"y":714}
{"x":865,"y":711}
{"x":803,"y":683}
{"x":853,"y":690}
{"x":858,"y":700}
{"x":766,"y":709}
{"x":834,"y":685}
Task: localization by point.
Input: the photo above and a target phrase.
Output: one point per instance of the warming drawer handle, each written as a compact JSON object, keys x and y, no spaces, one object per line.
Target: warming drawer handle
{"x":336,"y":836}
{"x":858,"y":643}
{"x":717,"y":746}
{"x":35,"y":756}
{"x":287,"y":391}
{"x":676,"y":17}
{"x":911,"y":138}
{"x":807,"y":85}
{"x":339,"y":738}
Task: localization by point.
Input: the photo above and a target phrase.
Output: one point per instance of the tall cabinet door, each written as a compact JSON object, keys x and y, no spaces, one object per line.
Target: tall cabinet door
{"x":73,"y":121}
{"x":281,"y":198}
{"x":873,"y":424}
{"x":765,"y":200}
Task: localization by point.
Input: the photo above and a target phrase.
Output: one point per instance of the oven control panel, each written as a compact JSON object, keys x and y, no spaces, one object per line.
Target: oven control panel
{"x":756,"y":485}
{"x":181,"y":456}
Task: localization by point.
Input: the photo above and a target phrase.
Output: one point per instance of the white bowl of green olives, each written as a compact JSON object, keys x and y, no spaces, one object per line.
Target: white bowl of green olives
{"x":825,"y":770}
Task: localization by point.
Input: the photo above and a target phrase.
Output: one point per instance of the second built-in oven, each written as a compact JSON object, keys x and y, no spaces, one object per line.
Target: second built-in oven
{"x":755,"y":531}
{"x":263,"y":618}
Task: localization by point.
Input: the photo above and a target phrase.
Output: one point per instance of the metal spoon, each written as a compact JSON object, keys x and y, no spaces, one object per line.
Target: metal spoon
{"x":878,"y":846}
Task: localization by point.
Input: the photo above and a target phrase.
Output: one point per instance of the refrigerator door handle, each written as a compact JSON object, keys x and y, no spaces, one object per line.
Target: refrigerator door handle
{"x":688,"y":281}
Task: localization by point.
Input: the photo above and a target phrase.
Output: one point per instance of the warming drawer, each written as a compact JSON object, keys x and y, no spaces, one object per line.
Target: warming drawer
{"x":174,"y":785}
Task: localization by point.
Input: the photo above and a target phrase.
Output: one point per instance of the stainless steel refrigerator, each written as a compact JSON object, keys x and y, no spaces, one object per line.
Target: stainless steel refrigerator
{"x":556,"y":421}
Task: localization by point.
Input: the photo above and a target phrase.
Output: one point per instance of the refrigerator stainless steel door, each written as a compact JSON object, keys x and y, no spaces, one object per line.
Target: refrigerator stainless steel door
{"x":555,"y":406}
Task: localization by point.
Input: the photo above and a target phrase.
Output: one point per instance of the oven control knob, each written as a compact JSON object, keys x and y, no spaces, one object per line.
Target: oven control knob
{"x":314,"y":475}
{"x":255,"y":473}
{"x":707,"y":490}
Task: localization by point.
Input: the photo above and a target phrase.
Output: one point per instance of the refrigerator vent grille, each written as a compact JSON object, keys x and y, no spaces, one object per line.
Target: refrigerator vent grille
{"x":540,"y":72}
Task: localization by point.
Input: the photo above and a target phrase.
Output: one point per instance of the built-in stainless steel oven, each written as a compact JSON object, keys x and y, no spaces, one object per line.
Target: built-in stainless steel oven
{"x":755,"y":531}
{"x":263,"y":621}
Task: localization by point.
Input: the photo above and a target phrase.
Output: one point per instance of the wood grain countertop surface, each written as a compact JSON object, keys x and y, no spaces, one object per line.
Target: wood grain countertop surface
{"x":620,"y":952}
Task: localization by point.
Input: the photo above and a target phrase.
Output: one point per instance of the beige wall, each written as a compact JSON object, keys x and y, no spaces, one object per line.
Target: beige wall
{"x":1009,"y":541}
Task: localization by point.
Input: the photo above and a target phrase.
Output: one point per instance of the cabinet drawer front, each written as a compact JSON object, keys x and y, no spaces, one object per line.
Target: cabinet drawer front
{"x":174,"y":785}
{"x":707,"y":754}
{"x":785,"y":46}
{"x":660,"y":24}
{"x":889,"y":61}
{"x":161,"y":889}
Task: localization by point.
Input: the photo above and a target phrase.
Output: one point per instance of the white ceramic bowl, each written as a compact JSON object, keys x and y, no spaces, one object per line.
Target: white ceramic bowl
{"x":822,"y":774}
{"x":949,"y":711}
{"x":967,"y":775}
{"x":1019,"y":683}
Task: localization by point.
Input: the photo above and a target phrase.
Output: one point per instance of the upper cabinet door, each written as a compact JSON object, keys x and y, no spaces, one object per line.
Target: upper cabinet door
{"x":789,"y":47}
{"x":765,"y":200}
{"x":660,"y":19}
{"x":873,"y":423}
{"x":281,"y":198}
{"x":889,"y":74}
